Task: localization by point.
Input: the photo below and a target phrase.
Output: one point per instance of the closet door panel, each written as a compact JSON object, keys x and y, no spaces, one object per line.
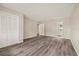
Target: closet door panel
{"x":3,"y":31}
{"x":13,"y":29}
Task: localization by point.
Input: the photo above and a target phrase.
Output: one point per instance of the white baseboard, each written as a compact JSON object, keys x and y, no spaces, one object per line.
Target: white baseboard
{"x":30,"y":36}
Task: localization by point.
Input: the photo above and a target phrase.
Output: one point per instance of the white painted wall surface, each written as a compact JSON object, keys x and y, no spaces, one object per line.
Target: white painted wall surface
{"x":75,"y":28}
{"x":30,"y":28}
{"x":51,"y":27}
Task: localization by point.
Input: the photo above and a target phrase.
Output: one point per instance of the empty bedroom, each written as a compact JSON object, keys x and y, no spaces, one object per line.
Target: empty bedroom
{"x":39,"y":29}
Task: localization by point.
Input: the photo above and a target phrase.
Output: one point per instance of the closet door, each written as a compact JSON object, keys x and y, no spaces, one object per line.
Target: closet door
{"x":3,"y":31}
{"x":13,"y":29}
{"x":9,"y":29}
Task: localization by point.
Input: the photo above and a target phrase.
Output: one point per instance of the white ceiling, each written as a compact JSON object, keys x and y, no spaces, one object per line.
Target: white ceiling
{"x":43,"y":11}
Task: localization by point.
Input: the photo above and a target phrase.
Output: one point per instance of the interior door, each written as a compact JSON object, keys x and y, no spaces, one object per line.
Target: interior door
{"x":41,"y":29}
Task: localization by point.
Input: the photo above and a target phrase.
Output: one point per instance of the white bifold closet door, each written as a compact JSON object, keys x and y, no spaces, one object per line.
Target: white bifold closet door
{"x":9,"y":29}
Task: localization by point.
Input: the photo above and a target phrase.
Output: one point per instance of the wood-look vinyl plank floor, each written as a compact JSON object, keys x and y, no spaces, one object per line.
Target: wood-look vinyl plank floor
{"x":40,"y":46}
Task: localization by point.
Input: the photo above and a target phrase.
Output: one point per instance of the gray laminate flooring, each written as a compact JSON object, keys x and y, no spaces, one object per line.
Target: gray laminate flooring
{"x":40,"y":46}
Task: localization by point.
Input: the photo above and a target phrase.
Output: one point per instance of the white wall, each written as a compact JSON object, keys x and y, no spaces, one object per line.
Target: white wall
{"x":75,"y":28}
{"x":30,"y":28}
{"x":51,"y":27}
